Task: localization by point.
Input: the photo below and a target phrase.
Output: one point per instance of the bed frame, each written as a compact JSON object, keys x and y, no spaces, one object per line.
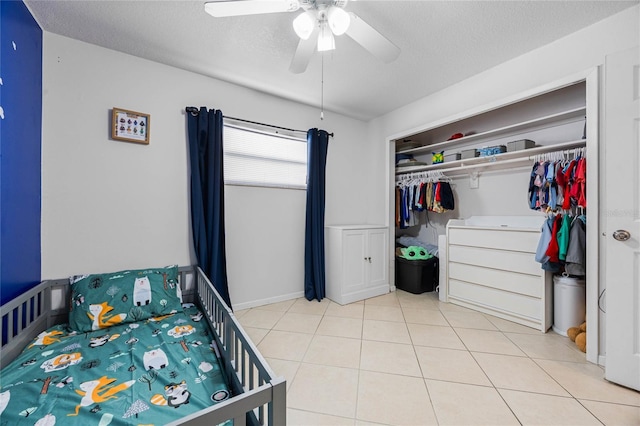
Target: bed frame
{"x":260,"y":396}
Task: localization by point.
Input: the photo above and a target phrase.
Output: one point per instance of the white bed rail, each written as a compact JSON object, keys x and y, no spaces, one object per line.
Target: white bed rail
{"x":258,"y":396}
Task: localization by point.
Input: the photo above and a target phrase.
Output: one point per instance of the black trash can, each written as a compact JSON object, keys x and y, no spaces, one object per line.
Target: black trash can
{"x":417,"y":276}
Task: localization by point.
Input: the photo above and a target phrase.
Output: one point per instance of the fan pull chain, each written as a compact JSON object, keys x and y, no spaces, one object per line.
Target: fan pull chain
{"x":322,"y":90}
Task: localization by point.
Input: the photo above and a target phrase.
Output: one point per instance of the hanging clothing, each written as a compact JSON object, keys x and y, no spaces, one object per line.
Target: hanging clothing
{"x":553,"y":249}
{"x":558,"y":184}
{"x":562,"y":244}
{"x":422,"y":193}
{"x":581,"y":182}
{"x":577,"y":248}
{"x":545,"y":239}
{"x":446,"y":196}
{"x":563,"y":237}
{"x":398,"y":198}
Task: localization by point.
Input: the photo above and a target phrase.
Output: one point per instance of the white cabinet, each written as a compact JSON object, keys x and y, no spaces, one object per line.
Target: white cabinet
{"x":491,"y":268}
{"x":356,"y":262}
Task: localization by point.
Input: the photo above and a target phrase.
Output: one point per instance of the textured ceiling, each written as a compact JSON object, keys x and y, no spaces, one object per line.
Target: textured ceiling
{"x":442,"y":42}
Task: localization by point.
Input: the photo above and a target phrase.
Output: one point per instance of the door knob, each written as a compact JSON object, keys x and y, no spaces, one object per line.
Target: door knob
{"x":621,"y":235}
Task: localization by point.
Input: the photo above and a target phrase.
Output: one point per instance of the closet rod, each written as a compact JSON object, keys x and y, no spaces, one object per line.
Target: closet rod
{"x":194,"y":111}
{"x":422,"y":174}
{"x":490,"y":161}
{"x":477,"y":166}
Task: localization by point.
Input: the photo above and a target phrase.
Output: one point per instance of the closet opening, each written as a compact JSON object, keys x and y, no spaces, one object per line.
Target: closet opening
{"x":487,"y":242}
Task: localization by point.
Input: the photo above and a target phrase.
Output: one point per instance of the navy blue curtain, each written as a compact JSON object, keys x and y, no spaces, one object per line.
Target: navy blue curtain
{"x":207,"y":195}
{"x":314,"y":276}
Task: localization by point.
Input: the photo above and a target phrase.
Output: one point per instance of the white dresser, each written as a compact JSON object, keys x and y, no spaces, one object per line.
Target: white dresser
{"x":491,"y":268}
{"x":356,"y":262}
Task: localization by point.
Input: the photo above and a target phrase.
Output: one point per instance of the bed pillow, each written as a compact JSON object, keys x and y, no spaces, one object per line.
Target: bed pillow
{"x":102,"y":300}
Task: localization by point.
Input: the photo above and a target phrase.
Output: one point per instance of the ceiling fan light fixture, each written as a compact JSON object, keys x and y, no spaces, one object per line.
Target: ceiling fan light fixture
{"x":325,"y":38}
{"x":304,"y":24}
{"x":339,"y":20}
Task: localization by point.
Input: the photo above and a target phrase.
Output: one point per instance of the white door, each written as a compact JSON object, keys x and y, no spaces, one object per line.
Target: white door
{"x":355,"y":260}
{"x":621,"y":214}
{"x":377,"y":257}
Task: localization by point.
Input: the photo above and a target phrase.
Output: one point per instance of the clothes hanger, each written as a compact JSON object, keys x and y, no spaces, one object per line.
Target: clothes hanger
{"x":444,"y":178}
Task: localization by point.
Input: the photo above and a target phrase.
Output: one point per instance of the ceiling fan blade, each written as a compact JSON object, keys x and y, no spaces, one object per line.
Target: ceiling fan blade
{"x":304,"y":52}
{"x":224,"y":8}
{"x":372,"y":40}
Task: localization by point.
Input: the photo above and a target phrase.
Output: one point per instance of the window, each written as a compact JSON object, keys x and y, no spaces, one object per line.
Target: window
{"x":256,"y":158}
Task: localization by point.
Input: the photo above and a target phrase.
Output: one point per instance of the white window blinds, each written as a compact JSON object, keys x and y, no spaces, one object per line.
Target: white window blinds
{"x":254,"y":158}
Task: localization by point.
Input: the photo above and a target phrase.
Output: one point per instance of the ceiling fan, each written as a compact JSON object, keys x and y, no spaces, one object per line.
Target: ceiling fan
{"x":316,"y":26}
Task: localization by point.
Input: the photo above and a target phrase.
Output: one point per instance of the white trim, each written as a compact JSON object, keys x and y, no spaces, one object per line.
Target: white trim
{"x":602,"y":360}
{"x":356,"y":296}
{"x":267,"y":301}
{"x":593,"y":212}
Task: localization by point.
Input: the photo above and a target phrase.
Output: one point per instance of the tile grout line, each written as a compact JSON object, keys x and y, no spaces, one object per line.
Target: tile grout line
{"x":485,"y":373}
{"x":505,"y":334}
{"x":424,"y":379}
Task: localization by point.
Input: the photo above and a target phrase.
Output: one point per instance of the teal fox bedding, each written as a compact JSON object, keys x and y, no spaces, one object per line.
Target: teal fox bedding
{"x":103,"y":300}
{"x":149,"y":372}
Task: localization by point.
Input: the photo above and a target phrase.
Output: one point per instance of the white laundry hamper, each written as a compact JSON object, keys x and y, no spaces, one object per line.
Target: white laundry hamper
{"x":569,"y":303}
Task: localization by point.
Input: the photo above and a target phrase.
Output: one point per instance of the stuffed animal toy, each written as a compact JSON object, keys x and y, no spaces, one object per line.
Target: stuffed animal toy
{"x":579,"y":335}
{"x":437,"y":157}
{"x":413,"y":253}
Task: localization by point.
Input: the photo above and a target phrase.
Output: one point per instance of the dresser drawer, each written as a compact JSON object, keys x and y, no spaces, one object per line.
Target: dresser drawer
{"x":513,"y":282}
{"x":515,"y":261}
{"x":512,"y":303}
{"x":524,"y":241}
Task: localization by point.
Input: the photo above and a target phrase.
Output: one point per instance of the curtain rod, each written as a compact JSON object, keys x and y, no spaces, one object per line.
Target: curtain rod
{"x":194,"y":110}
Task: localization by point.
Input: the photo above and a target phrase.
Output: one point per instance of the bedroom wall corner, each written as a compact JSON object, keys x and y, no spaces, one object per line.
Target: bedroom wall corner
{"x":20,"y":149}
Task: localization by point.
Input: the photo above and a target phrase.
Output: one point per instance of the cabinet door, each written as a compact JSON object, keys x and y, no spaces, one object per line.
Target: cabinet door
{"x":377,"y":252}
{"x":354,"y":257}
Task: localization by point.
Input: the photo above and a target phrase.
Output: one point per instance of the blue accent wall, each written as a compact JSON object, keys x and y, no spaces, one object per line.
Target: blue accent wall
{"x":20,"y":149}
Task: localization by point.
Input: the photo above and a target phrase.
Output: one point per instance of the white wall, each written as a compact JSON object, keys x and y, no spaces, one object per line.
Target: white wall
{"x":110,"y":205}
{"x":575,"y":53}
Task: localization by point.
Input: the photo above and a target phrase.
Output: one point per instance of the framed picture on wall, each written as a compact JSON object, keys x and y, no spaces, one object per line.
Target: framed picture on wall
{"x":130,"y":126}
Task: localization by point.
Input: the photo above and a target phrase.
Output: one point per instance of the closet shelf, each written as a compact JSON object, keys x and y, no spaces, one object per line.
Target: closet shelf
{"x":494,"y":160}
{"x":546,"y":121}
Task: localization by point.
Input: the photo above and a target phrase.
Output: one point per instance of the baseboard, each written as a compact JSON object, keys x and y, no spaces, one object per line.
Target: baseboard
{"x":602,"y":360}
{"x":356,"y":296}
{"x":267,"y":301}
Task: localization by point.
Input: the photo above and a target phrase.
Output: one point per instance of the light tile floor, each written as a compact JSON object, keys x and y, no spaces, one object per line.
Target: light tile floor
{"x":405,"y":359}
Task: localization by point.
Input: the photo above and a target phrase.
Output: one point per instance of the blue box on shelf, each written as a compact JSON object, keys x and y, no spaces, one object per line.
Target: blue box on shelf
{"x":492,"y":150}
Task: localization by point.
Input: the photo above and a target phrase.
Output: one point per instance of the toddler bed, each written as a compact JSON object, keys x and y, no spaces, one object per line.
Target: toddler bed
{"x":121,"y":348}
